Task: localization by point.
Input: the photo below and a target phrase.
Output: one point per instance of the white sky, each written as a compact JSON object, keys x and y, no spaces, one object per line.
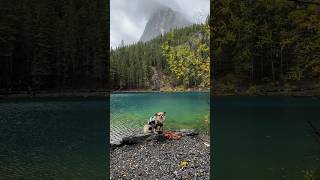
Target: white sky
{"x":129,"y":17}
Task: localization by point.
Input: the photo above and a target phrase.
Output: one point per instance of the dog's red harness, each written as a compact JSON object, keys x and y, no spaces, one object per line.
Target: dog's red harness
{"x":170,"y":135}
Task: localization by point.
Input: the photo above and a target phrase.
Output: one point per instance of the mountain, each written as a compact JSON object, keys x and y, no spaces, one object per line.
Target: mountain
{"x":162,"y":21}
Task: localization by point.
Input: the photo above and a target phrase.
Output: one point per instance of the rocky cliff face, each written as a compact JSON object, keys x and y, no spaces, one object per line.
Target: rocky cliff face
{"x":155,"y":80}
{"x":162,"y":21}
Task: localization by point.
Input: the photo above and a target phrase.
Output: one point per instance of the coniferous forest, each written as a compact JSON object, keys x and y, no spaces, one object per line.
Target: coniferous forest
{"x":266,"y":46}
{"x":53,"y":45}
{"x":255,"y":45}
{"x":179,"y":58}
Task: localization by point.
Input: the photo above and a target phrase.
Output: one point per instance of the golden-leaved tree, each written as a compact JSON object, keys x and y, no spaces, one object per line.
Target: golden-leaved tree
{"x":189,"y":62}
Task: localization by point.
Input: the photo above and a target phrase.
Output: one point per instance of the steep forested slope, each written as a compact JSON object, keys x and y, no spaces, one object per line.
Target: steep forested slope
{"x":133,"y":66}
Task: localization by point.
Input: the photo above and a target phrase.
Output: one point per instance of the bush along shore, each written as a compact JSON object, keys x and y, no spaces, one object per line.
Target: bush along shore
{"x":302,"y":88}
{"x":152,"y":156}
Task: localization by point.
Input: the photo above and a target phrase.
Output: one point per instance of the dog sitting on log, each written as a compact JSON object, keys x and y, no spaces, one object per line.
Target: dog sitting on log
{"x":155,"y":123}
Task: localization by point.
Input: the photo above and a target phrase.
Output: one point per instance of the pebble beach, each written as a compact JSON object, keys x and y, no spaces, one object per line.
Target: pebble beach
{"x":159,"y":158}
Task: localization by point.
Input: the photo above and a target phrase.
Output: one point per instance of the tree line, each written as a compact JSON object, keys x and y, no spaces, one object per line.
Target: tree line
{"x":262,"y":42}
{"x":53,"y":44}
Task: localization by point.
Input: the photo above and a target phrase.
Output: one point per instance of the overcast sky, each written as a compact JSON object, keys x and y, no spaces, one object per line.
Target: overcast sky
{"x":129,"y":17}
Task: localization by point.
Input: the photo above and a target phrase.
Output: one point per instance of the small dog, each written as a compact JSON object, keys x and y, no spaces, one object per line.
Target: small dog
{"x":155,"y":123}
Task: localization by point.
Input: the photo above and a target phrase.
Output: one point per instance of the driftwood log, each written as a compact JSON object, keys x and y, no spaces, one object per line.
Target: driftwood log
{"x":138,"y":139}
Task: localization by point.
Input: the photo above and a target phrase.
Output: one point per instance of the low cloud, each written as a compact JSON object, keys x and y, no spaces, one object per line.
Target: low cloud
{"x":129,"y":17}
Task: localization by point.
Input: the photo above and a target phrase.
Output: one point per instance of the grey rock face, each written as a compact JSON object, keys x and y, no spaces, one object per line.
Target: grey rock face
{"x":155,"y":80}
{"x":161,"y":22}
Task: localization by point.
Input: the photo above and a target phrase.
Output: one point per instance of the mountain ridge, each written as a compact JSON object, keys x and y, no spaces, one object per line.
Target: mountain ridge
{"x":161,"y":22}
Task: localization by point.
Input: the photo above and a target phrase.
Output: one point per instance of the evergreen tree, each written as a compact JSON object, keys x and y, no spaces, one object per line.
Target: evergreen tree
{"x":53,"y":44}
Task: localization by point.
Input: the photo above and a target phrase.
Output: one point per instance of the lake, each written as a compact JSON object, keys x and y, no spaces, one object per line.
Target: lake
{"x":130,"y":111}
{"x":265,"y":137}
{"x":57,"y":138}
{"x":65,"y":138}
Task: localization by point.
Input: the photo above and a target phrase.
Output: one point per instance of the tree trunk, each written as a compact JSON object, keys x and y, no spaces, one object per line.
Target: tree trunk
{"x":272,"y":69}
{"x":261,"y":63}
{"x":281,"y":65}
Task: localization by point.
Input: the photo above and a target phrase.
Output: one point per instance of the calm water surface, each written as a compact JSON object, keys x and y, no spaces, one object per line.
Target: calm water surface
{"x":184,"y":110}
{"x":265,"y":137}
{"x":254,"y":137}
{"x":53,"y":139}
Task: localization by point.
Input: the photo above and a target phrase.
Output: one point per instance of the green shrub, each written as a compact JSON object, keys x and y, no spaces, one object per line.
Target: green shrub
{"x":252,"y":90}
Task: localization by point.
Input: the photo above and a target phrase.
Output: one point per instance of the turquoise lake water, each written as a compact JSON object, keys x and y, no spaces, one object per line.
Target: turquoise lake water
{"x":253,"y":137}
{"x":53,"y":138}
{"x":183,"y":110}
{"x":263,"y":138}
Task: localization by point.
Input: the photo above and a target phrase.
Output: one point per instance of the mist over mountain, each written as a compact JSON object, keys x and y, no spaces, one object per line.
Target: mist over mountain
{"x":162,"y":21}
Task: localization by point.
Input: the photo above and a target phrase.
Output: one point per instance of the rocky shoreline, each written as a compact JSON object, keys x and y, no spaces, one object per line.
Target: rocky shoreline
{"x":155,"y":157}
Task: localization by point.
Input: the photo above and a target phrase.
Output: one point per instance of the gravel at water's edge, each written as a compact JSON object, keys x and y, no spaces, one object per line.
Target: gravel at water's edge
{"x":162,"y":159}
